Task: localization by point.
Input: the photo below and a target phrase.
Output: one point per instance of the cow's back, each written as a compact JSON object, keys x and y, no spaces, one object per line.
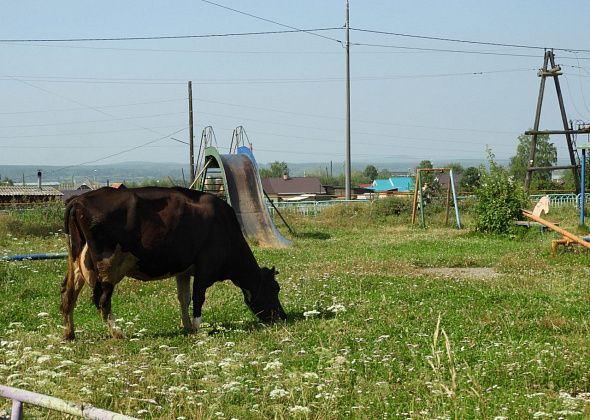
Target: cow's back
{"x":164,"y":231}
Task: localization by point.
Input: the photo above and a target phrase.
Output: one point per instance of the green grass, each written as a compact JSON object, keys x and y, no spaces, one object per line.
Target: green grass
{"x":376,"y":328}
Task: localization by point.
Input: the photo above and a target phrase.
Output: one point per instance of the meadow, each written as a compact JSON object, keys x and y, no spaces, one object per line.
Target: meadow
{"x":385,"y":320}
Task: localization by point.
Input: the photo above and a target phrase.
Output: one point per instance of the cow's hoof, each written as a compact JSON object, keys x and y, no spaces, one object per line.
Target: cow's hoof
{"x":197,"y":321}
{"x":117,"y":333}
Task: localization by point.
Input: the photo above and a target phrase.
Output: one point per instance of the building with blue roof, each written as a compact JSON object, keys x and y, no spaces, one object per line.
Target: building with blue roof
{"x":394,"y":183}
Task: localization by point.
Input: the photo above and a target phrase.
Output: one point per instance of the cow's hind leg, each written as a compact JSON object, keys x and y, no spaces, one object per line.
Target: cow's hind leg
{"x":70,"y":289}
{"x":183,"y":289}
{"x":103,"y":291}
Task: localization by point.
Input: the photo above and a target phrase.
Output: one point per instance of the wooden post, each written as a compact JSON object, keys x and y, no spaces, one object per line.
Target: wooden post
{"x":448,"y":202}
{"x":190,"y":133}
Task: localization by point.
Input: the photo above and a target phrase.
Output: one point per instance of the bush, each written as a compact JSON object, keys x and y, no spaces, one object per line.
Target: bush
{"x":392,"y":206}
{"x":499,"y":200}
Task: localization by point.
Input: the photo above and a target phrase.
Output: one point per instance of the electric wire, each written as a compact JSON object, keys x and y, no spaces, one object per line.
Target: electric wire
{"x":464,"y":41}
{"x":120,"y":152}
{"x":164,"y":37}
{"x":270,"y":21}
{"x":85,"y":108}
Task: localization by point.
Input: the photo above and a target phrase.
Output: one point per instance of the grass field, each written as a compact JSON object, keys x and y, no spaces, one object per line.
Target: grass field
{"x":385,"y":320}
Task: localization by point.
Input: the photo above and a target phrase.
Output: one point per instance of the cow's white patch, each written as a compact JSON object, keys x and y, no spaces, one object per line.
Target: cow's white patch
{"x":116,"y":332}
{"x":197,"y":321}
{"x":117,"y":266}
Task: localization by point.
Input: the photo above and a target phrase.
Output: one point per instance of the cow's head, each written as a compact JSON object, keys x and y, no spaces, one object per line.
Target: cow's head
{"x":264,"y":299}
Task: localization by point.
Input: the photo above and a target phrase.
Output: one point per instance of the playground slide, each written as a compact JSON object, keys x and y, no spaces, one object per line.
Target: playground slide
{"x":246,"y":196}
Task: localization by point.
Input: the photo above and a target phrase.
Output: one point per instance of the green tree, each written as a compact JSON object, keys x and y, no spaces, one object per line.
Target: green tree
{"x":427,"y":177}
{"x":384,"y":174}
{"x":499,"y":200}
{"x":546,"y":155}
{"x":371,"y":172}
{"x":470,"y":180}
{"x":277,"y":169}
{"x":456,"y":167}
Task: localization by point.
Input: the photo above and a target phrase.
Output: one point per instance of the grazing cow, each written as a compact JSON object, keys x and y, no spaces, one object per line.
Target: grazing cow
{"x":153,"y":233}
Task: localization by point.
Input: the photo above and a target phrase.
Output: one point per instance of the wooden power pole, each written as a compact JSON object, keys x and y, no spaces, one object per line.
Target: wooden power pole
{"x":555,"y":72}
{"x":190,"y":133}
{"x":347,"y":166}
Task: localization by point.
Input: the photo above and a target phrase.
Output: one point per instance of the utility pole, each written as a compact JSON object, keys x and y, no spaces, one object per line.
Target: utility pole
{"x":554,"y":71}
{"x":347,"y":164}
{"x":190,"y":133}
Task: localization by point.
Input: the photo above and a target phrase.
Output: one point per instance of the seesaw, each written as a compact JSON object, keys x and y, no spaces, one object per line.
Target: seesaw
{"x":568,"y":237}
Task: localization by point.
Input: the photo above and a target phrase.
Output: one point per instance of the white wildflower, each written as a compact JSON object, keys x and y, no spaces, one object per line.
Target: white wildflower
{"x":273,"y":365}
{"x":43,"y":359}
{"x":299,"y":409}
{"x":180,"y":359}
{"x":336,"y":308}
{"x":42,"y":314}
{"x":311,"y":313}
{"x":310,"y":375}
{"x":278,"y":393}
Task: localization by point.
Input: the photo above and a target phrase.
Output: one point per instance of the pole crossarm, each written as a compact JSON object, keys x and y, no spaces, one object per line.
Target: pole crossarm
{"x":551,"y":168}
{"x":584,"y":130}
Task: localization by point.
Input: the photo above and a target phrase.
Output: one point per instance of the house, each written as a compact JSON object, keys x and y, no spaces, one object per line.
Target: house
{"x":28,"y":194}
{"x":286,"y":187}
{"x":445,"y":179}
{"x":393,"y":184}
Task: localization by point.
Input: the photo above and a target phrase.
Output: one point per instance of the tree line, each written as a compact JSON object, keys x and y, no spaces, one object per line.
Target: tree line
{"x":546,"y":155}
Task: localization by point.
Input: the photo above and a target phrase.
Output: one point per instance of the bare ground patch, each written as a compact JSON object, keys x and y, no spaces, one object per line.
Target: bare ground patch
{"x":467,"y":273}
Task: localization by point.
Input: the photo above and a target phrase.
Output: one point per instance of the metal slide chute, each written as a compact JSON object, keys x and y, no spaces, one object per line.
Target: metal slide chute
{"x":236,"y":175}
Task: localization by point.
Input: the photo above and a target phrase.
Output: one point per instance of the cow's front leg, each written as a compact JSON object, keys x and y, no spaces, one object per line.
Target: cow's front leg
{"x":104,"y":305}
{"x":183,"y":289}
{"x":199,"y":289}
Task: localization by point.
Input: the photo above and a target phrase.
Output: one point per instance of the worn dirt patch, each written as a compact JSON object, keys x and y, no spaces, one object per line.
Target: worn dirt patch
{"x":469,"y":273}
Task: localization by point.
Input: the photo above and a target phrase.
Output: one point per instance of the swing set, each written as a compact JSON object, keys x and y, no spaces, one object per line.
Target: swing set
{"x":419,"y":196}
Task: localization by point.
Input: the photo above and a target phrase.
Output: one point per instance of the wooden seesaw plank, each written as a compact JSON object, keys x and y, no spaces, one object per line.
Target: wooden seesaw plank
{"x":555,"y":228}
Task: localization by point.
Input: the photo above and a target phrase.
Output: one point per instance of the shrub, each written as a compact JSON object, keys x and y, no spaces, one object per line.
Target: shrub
{"x":499,"y":200}
{"x":392,"y":206}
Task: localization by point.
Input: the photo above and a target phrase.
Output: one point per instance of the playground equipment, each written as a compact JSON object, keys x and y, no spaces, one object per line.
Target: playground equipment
{"x":419,"y":196}
{"x":568,"y":237}
{"x":235,"y":176}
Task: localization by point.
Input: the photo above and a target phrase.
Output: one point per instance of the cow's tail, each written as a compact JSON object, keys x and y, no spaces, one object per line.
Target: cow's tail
{"x":76,"y":239}
{"x":76,"y":242}
{"x":72,"y":228}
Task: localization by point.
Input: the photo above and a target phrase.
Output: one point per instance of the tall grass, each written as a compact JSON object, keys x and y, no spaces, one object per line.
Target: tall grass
{"x":385,"y":320}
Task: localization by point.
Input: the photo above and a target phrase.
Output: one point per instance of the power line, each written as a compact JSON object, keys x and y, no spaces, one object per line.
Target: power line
{"x":271,"y":21}
{"x":464,"y":41}
{"x":164,"y":37}
{"x":92,"y":121}
{"x":118,"y":153}
{"x":86,"y":108}
{"x":331,"y":117}
{"x":90,"y":133}
{"x":95,"y":80}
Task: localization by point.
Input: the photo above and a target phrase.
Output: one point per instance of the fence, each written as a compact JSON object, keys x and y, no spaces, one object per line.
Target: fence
{"x":20,"y":396}
{"x":312,"y":208}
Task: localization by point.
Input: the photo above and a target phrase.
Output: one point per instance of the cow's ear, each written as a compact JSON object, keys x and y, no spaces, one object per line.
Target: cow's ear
{"x":274,"y":271}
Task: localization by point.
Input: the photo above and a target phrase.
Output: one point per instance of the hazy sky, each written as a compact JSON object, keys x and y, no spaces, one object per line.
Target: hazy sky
{"x":67,"y":103}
